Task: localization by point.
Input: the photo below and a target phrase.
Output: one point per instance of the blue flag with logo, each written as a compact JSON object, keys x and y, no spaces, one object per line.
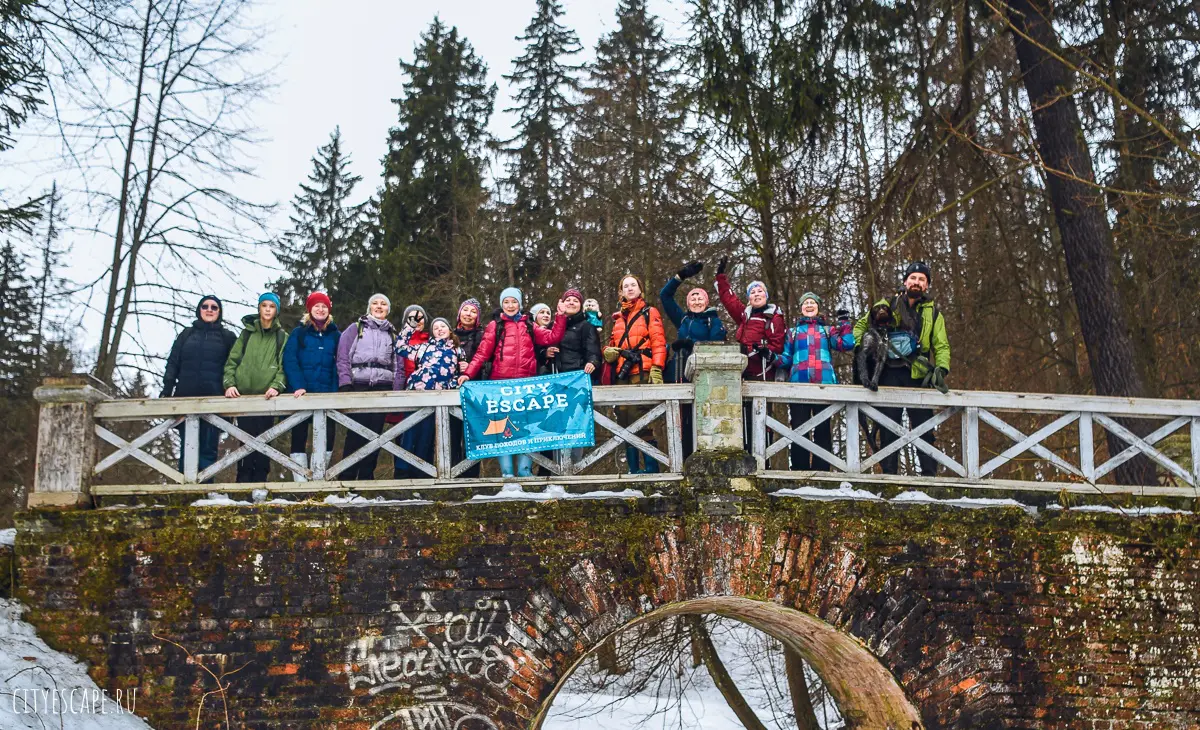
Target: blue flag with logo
{"x":521,"y":416}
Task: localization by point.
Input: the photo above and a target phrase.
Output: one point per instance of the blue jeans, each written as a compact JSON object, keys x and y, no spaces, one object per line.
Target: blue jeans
{"x":210,"y":437}
{"x":524,"y":465}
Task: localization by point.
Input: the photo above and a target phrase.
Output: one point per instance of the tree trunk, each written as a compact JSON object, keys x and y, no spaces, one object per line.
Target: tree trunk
{"x":1079,"y":211}
{"x":806,"y":717}
{"x":720,"y":676}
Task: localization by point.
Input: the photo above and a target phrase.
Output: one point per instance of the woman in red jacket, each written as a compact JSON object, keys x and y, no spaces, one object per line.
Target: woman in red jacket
{"x":761,"y":331}
{"x":509,"y":343}
{"x":637,"y":352}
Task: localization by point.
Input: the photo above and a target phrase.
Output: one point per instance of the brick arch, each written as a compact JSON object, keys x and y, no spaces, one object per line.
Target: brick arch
{"x":867,"y":695}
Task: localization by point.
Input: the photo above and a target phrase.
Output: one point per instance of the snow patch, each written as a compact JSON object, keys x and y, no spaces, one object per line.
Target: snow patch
{"x":353,"y":500}
{"x":845,"y":491}
{"x":512,"y":492}
{"x":42,"y":688}
{"x":918,"y":497}
{"x":215,"y":499}
{"x":1127,"y":511}
{"x":9,"y":536}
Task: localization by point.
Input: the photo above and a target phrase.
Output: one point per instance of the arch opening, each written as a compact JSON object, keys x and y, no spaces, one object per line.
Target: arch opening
{"x":861,"y":692}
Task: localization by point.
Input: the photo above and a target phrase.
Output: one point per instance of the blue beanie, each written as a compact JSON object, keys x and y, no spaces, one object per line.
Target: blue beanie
{"x":513,"y":292}
{"x":754,"y":284}
{"x":270,"y":297}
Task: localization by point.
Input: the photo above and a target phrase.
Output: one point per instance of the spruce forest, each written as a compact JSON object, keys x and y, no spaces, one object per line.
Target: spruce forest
{"x":1040,"y":155}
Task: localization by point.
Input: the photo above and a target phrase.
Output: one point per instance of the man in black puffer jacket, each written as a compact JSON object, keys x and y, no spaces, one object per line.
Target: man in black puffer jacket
{"x":196,"y":367}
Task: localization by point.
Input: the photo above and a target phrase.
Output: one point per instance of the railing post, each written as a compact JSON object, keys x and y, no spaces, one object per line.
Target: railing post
{"x":719,"y":397}
{"x":66,"y":445}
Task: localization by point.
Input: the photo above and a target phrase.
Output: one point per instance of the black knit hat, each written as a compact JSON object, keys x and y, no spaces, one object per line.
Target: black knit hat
{"x":918,"y":267}
{"x":210,"y":298}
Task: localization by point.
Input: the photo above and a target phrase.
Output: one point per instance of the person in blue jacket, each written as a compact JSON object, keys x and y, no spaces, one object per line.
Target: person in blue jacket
{"x":310,"y":364}
{"x":700,"y":323}
{"x":808,"y":358}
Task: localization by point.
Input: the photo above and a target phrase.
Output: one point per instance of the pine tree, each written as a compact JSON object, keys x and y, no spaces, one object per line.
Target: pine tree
{"x":327,"y":232}
{"x":433,"y":172}
{"x":537,"y":171}
{"x":638,"y":185}
{"x":18,"y":317}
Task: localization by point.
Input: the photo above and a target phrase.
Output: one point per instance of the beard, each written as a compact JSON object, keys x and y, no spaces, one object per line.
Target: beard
{"x":915,"y":291}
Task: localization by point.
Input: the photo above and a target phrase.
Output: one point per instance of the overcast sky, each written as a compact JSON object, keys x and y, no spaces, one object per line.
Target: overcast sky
{"x":337,"y":65}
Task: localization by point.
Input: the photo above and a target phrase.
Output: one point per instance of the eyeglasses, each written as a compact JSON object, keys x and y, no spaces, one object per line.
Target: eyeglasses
{"x":209,"y":308}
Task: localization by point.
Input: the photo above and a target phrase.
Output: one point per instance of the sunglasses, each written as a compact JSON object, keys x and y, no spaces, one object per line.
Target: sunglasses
{"x":209,"y":308}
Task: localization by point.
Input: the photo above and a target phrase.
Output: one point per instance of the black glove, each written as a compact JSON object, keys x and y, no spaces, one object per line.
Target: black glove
{"x":724,"y":262}
{"x":631,"y":355}
{"x":681,"y":344}
{"x":690,"y":269}
{"x":765,"y":353}
{"x":843,"y":315}
{"x":344,"y":388}
{"x":164,"y":394}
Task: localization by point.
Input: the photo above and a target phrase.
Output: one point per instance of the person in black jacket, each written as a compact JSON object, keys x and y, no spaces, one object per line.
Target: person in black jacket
{"x":196,"y":366}
{"x":580,"y":346}
{"x":469,"y":331}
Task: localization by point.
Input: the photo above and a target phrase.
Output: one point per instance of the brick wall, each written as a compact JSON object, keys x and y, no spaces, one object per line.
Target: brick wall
{"x":389,"y":617}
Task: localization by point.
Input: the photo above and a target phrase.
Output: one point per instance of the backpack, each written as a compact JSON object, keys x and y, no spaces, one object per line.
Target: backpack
{"x":498,"y":319}
{"x":245,"y":337}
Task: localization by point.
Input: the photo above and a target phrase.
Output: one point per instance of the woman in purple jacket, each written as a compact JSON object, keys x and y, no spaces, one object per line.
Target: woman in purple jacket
{"x":366,"y":361}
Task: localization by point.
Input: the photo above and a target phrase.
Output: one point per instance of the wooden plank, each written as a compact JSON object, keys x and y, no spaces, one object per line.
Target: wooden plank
{"x":795,"y":437}
{"x":317,"y":464}
{"x":1137,"y":444}
{"x":626,"y":435}
{"x":191,"y":447}
{"x":550,"y":465}
{"x":260,"y":443}
{"x":907,"y":437}
{"x":674,"y":437}
{"x":918,"y":482}
{"x":620,"y":481}
{"x":1087,"y":447}
{"x":1195,"y":434}
{"x":991,"y":400}
{"x":383,"y":441}
{"x":970,"y":440}
{"x":127,"y":448}
{"x":390,"y":401}
{"x":853,"y":440}
{"x":442,"y":443}
{"x":758,"y":432}
{"x":1031,"y":442}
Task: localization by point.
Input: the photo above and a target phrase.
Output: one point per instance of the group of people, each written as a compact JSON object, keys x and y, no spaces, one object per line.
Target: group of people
{"x":372,"y":354}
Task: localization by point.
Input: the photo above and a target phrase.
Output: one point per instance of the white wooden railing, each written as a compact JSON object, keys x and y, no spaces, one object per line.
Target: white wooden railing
{"x":324,"y":409}
{"x":1062,"y":446}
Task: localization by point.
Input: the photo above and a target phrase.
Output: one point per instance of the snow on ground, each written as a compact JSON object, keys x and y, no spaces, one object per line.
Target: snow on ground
{"x":1127,"y":511}
{"x":41,"y":688}
{"x":688,"y":699}
{"x":9,"y":536}
{"x":513,"y":492}
{"x":918,"y":497}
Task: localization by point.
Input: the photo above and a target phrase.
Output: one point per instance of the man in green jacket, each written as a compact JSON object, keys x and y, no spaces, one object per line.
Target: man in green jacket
{"x":926,"y":366}
{"x":255,"y":367}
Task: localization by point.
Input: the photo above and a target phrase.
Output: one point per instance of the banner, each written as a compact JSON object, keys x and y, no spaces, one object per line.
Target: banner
{"x":545,"y":413}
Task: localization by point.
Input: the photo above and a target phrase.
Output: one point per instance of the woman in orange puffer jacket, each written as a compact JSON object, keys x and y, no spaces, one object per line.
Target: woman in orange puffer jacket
{"x":637,"y":352}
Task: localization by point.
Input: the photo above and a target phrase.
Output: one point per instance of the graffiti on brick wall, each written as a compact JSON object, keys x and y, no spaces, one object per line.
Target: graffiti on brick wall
{"x":420,"y":651}
{"x":436,"y":713}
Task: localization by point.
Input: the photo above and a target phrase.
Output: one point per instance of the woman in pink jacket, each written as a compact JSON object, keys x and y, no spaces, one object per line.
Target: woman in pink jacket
{"x":509,"y":343}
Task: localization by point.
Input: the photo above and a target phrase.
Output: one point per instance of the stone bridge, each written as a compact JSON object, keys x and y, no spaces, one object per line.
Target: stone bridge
{"x":471,"y":616}
{"x":453,"y":613}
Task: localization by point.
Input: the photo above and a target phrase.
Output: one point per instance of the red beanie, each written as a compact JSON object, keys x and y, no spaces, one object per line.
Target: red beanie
{"x":317,"y":297}
{"x":573,"y":292}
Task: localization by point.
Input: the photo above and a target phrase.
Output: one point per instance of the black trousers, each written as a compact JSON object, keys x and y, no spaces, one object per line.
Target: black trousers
{"x":364,"y":469}
{"x":822,"y":435}
{"x":256,"y":466}
{"x":687,"y":417}
{"x":902,"y":378}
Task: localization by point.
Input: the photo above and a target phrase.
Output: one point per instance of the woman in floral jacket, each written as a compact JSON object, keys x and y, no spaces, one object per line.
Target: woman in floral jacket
{"x":436,"y":361}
